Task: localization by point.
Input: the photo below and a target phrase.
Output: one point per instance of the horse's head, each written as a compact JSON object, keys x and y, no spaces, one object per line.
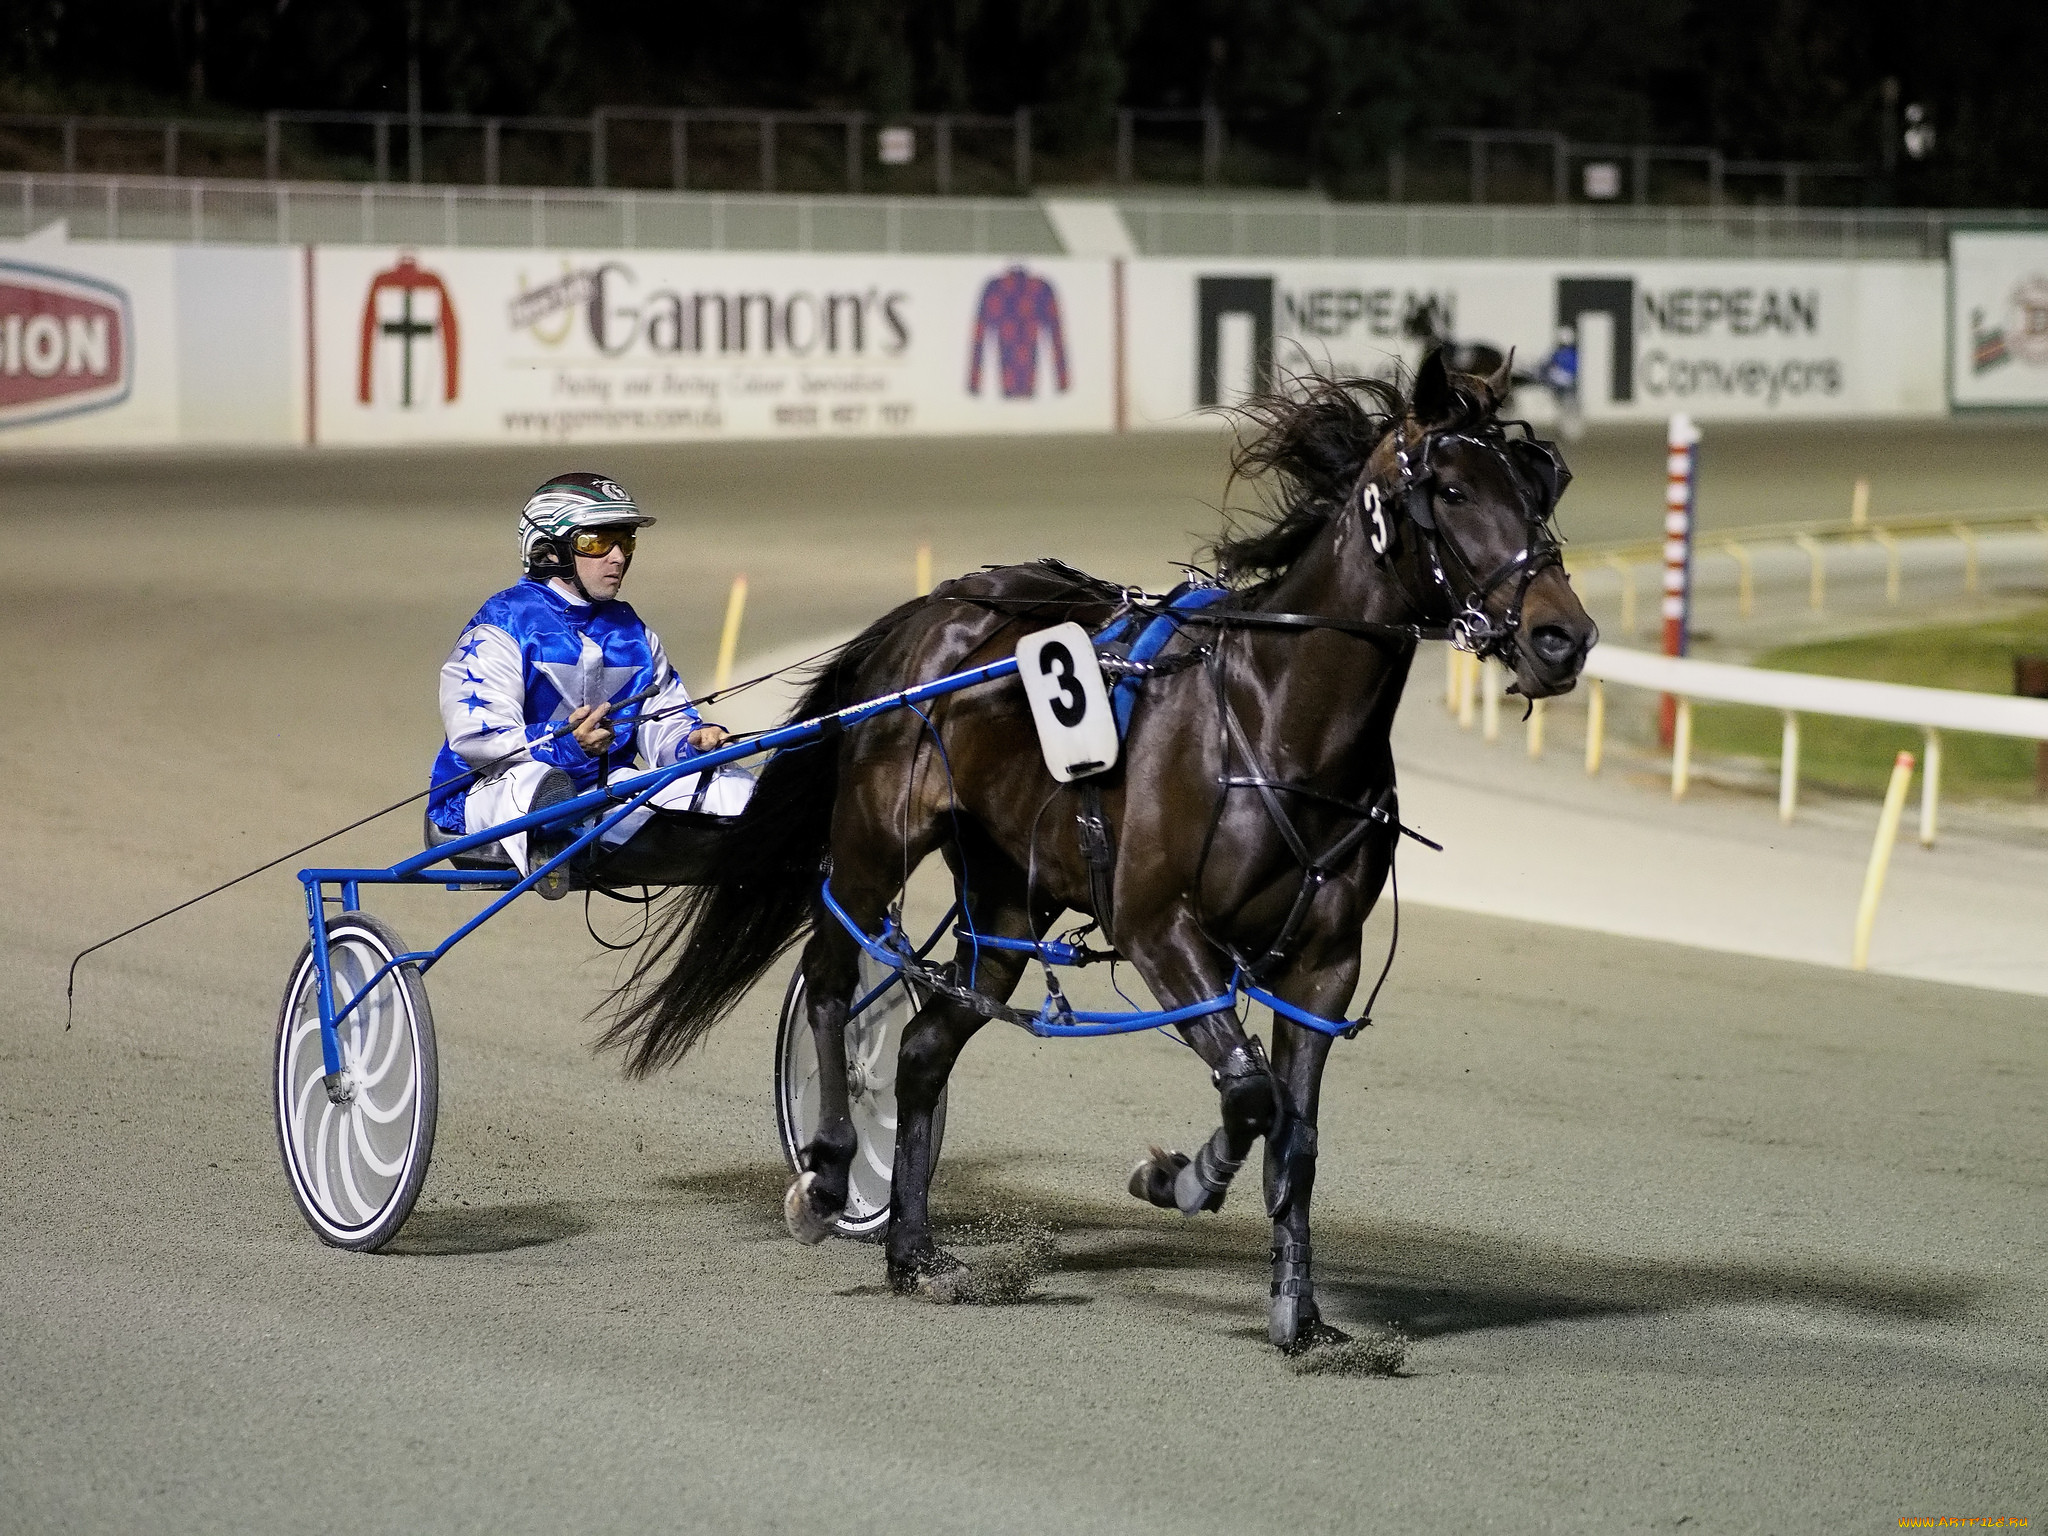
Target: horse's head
{"x":1460,"y":503}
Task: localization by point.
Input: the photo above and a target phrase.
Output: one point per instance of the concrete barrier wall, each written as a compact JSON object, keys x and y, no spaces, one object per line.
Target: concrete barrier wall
{"x":105,"y":344}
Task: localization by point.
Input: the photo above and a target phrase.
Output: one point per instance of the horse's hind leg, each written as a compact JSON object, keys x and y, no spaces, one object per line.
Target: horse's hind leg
{"x":831,"y":966}
{"x":931,"y":1045}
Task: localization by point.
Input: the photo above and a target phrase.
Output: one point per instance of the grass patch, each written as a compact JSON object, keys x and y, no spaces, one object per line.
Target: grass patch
{"x":1856,"y":755}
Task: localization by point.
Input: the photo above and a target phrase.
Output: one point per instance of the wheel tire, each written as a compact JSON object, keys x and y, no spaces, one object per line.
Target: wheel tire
{"x":872,"y":1042}
{"x":356,"y":1169}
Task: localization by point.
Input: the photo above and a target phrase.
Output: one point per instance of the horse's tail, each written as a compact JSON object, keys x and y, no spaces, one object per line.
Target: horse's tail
{"x":716,"y":940}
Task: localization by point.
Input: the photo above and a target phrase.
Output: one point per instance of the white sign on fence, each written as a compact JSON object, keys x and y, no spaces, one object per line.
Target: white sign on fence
{"x":88,"y":353}
{"x":519,"y":346}
{"x":1998,"y":318}
{"x":1720,"y":340}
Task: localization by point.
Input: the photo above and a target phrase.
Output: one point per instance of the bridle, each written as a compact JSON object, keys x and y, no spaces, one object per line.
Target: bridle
{"x":1534,"y":466}
{"x":1408,"y":499}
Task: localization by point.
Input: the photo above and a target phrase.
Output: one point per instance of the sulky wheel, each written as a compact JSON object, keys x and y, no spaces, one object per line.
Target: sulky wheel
{"x":871,"y":1041}
{"x":356,"y":1167}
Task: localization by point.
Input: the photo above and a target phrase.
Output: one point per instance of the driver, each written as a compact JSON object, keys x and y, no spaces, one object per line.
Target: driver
{"x":559,"y":646}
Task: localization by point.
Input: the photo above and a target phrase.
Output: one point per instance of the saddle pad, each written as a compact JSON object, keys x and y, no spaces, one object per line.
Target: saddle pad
{"x":1150,"y":642}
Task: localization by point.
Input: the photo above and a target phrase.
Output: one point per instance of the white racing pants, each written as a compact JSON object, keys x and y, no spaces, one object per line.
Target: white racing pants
{"x":509,"y":794}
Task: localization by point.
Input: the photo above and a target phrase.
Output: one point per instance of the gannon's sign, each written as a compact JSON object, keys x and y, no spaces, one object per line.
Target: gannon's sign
{"x":67,"y":344}
{"x":491,"y":346}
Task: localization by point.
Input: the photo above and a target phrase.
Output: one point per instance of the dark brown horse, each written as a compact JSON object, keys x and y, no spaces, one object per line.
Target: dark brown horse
{"x":1252,"y":813}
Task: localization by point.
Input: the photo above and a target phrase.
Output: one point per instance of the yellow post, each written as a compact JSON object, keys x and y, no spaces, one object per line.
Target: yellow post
{"x":729,"y":637}
{"x":1880,"y":858}
{"x":1596,"y":727}
{"x":1968,"y":535}
{"x":1627,"y":572}
{"x":1859,"y":505}
{"x":1890,"y":544}
{"x":1788,"y":770}
{"x":1817,"y":581}
{"x":1745,"y":586}
{"x":1452,"y":672}
{"x":1536,"y":728}
{"x":1930,"y":787}
{"x":1681,"y":751}
{"x":1468,"y":689}
{"x":1489,"y":699}
{"x":924,"y":570}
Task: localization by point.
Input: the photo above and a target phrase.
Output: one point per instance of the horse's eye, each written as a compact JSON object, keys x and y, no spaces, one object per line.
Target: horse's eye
{"x":1454,"y":494}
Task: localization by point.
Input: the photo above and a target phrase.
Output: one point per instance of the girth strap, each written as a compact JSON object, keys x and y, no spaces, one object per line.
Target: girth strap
{"x":1098,"y":848}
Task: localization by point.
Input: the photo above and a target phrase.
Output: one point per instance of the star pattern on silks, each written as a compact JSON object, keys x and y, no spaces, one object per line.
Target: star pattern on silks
{"x":586,"y":681}
{"x":469,"y":645}
{"x":469,"y":676}
{"x":473,"y":701}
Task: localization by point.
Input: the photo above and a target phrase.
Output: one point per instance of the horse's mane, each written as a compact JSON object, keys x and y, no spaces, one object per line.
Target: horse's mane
{"x":1308,"y":440}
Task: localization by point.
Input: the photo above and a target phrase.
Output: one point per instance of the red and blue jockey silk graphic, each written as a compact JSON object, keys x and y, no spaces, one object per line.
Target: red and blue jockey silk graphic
{"x":1017,"y":310}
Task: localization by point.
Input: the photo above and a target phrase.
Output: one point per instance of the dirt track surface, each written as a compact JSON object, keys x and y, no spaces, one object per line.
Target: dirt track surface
{"x":1680,"y":1239}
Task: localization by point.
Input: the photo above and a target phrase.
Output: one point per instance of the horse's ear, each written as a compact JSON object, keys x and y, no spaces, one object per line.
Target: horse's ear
{"x":1502,"y":379}
{"x":1435,"y":401}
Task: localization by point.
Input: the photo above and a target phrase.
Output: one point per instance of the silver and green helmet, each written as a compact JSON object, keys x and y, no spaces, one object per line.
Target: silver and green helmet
{"x":566,"y":504}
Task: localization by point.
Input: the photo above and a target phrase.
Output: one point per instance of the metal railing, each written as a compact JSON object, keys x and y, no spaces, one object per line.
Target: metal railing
{"x":596,"y":134}
{"x":276,"y":213}
{"x":1790,"y":175}
{"x":478,"y":142}
{"x":1283,"y":228}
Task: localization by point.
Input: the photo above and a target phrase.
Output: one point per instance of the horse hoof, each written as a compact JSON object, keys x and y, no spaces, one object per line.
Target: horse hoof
{"x":1190,"y":1196}
{"x":807,"y":1224}
{"x":936,"y":1276}
{"x":1293,"y":1325}
{"x":1152,"y":1177}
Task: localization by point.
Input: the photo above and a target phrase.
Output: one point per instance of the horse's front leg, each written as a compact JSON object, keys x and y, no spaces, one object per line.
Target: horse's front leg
{"x":1293,"y":1322}
{"x":1243,"y":1078}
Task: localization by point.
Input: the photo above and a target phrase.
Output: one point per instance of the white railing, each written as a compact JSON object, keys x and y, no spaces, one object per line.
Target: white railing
{"x":1930,"y":710}
{"x":1813,"y":538}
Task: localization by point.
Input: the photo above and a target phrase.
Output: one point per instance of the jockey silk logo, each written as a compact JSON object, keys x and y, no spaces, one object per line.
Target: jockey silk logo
{"x":67,"y":344}
{"x":406,"y":307}
{"x":1018,"y":312}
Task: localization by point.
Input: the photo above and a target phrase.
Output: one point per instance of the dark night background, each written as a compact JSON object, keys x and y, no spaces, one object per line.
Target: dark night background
{"x":1337,"y":81}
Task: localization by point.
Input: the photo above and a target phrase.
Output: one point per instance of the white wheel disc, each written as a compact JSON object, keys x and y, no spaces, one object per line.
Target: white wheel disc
{"x":872,"y":1039}
{"x":356,"y":1166}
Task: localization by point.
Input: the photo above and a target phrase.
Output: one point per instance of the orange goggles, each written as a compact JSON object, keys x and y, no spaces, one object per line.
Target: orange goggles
{"x":602,"y":541}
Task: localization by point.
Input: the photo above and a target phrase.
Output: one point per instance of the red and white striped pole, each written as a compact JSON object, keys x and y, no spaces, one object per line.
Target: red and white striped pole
{"x":1681,"y":485}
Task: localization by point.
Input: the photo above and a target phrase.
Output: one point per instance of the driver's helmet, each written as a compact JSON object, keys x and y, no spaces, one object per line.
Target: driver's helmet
{"x":565,"y":506}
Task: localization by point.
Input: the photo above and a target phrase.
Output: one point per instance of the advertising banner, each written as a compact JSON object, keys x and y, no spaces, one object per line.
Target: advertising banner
{"x":528,"y":346}
{"x":1720,"y":340}
{"x":1998,"y":318}
{"x":87,"y":344}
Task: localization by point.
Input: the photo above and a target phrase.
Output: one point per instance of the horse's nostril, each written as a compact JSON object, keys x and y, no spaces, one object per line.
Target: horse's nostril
{"x":1554,"y":643}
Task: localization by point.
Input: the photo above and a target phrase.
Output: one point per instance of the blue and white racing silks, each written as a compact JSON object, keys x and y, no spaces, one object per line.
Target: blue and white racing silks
{"x":530,"y":656}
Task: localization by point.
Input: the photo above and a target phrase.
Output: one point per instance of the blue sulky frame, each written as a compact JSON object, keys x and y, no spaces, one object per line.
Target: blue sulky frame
{"x":612,"y":803}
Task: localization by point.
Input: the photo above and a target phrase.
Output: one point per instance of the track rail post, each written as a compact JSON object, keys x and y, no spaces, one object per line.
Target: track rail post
{"x":1880,"y":859}
{"x":1681,"y":749}
{"x":1930,"y":786}
{"x":729,"y":636}
{"x":1788,"y":770}
{"x":1596,"y":727}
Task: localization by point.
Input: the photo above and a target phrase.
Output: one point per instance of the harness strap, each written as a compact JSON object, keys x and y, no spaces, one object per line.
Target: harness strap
{"x":1098,"y":848}
{"x":1364,"y":629}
